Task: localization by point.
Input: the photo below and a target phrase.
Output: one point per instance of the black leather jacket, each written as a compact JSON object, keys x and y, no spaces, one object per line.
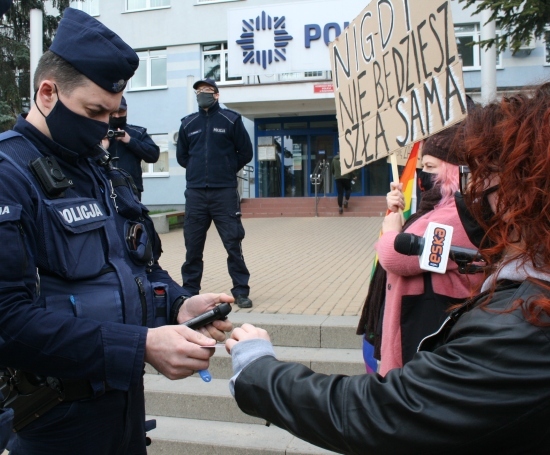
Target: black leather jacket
{"x":482,"y":387}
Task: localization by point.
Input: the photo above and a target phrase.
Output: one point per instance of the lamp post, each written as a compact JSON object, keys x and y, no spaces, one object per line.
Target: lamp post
{"x":36,"y":41}
{"x":488,"y":59}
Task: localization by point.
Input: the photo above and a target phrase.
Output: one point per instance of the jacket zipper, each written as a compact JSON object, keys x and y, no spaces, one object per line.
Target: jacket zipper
{"x":206,"y":151}
{"x":143,"y":301}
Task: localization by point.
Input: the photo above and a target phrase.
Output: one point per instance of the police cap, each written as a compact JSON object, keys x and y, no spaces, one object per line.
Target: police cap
{"x":123,"y":106}
{"x":207,"y":81}
{"x":94,"y":50}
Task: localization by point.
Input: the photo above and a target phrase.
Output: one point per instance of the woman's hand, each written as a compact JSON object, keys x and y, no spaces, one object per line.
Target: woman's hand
{"x":393,"y":222}
{"x":395,"y":198}
{"x":245,"y":332}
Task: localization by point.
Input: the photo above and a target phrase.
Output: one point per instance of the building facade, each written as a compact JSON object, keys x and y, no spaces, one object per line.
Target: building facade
{"x":272,"y":65}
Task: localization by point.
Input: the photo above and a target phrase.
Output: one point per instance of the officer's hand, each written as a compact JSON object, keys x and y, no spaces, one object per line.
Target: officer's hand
{"x":105,"y":143}
{"x":198,"y":304}
{"x":395,"y":198}
{"x":175,"y":350}
{"x":126,"y":138}
{"x":245,"y":332}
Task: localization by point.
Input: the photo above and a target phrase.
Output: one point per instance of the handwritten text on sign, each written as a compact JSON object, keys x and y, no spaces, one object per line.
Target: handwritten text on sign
{"x":397,"y":78}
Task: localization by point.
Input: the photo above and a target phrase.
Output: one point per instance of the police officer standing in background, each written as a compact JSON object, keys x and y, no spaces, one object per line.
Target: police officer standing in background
{"x":213,"y":146}
{"x":80,"y":283}
{"x":131,"y":148}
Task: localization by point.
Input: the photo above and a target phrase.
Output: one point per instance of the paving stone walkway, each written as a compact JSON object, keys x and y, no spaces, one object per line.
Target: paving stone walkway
{"x":317,"y":266}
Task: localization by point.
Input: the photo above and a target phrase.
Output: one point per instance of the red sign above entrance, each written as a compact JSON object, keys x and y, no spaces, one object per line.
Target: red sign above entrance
{"x":323,"y":88}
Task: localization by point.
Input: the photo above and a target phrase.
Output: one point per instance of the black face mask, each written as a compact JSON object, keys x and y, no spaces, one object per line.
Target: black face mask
{"x":73,"y":131}
{"x":117,"y":122}
{"x":205,"y":100}
{"x":474,"y":231}
{"x":426,"y":180}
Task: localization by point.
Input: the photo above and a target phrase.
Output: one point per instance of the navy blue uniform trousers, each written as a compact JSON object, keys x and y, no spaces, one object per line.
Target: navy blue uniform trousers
{"x":221,"y":205}
{"x":53,"y":434}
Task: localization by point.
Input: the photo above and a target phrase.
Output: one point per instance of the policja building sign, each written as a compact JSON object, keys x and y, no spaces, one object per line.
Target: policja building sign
{"x":285,"y":37}
{"x":397,"y":78}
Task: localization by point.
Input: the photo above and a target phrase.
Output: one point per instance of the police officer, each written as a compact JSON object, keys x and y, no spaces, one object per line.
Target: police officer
{"x":80,"y":283}
{"x":213,"y":146}
{"x":132,"y":147}
{"x":6,"y":415}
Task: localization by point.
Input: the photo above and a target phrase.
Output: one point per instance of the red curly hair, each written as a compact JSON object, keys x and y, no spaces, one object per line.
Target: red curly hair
{"x":511,"y":138}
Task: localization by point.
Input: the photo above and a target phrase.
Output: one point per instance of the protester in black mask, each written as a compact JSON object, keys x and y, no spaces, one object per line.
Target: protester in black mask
{"x":480,"y":384}
{"x":213,"y":146}
{"x":405,"y":303}
{"x":133,"y":147}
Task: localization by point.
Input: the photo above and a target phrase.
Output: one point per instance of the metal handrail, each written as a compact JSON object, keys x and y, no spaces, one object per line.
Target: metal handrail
{"x":318,"y":178}
{"x":247,"y":171}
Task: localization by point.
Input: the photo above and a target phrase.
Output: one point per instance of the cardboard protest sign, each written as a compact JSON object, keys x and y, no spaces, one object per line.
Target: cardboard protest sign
{"x":397,"y":78}
{"x":402,"y":156}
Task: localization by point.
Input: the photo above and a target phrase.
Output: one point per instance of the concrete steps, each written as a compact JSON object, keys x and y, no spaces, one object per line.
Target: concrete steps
{"x":365,"y":206}
{"x":185,"y":436}
{"x":194,"y":417}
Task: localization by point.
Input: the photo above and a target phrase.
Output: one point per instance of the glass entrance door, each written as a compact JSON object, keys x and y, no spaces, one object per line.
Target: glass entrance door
{"x":295,"y":165}
{"x":323,"y":150}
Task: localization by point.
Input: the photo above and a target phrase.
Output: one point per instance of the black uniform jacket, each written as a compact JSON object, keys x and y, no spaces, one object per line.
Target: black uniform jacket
{"x":483,"y":387}
{"x":213,"y":146}
{"x":129,"y":156}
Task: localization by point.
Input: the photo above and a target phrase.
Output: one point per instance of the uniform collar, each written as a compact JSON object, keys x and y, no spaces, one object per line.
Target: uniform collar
{"x":42,"y":142}
{"x":212,"y":110}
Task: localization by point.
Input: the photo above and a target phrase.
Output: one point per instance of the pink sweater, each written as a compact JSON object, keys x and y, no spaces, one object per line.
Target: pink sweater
{"x":404,"y":277}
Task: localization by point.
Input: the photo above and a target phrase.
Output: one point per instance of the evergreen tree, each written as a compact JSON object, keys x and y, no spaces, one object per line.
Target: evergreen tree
{"x":15,"y":55}
{"x":518,"y":20}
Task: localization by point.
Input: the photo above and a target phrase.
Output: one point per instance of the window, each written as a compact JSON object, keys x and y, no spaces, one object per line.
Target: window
{"x":160,"y":168}
{"x":321,"y":75}
{"x":467,"y":35}
{"x":88,"y":6}
{"x":137,"y":5}
{"x":151,"y":72}
{"x":206,"y":2}
{"x":214,"y":63}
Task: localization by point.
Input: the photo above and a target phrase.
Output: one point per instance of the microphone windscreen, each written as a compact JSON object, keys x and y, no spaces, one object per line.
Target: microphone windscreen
{"x":408,"y":244}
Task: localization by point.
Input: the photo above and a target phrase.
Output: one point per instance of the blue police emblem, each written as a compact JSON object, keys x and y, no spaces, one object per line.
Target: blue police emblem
{"x":119,"y":85}
{"x":262,"y":23}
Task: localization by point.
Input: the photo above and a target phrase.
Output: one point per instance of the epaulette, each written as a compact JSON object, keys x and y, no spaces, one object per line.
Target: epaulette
{"x":189,"y":115}
{"x":189,"y":118}
{"x":139,"y":129}
{"x":230,"y":110}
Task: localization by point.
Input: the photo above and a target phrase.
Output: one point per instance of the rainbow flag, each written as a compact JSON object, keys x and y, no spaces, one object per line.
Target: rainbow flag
{"x":409,"y":184}
{"x":408,"y":181}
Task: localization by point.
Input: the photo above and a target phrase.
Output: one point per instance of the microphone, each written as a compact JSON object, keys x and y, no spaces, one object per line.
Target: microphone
{"x":435,"y":249}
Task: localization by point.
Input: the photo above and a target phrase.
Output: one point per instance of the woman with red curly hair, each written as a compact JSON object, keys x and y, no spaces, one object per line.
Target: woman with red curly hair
{"x":482,"y":383}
